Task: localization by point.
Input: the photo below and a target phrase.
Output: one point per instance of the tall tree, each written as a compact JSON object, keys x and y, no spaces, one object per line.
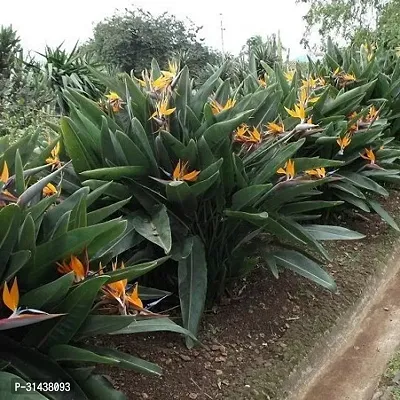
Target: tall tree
{"x":351,"y":20}
{"x":130,"y":40}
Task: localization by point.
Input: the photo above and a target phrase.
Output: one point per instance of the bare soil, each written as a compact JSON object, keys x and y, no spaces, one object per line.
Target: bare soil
{"x":254,"y":340}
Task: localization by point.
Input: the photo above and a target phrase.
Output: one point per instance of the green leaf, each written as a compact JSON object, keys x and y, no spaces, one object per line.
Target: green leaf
{"x":258,"y":219}
{"x":312,"y":205}
{"x":153,"y":325}
{"x":304,"y":164}
{"x":76,"y":306}
{"x":302,"y":265}
{"x":132,"y":153}
{"x":98,"y":387}
{"x":349,"y":188}
{"x":65,"y":352}
{"x":16,"y":262}
{"x":348,"y":198}
{"x":49,"y":294}
{"x":127,"y":361}
{"x":179,"y":193}
{"x":19,"y":174}
{"x":34,"y":366}
{"x":202,"y":186}
{"x":247,"y":196}
{"x":76,"y":150}
{"x":271,"y":166}
{"x":37,"y":187}
{"x":217,"y":133}
{"x":365,"y":183}
{"x":10,"y":219}
{"x":73,"y":242}
{"x":192,"y":281}
{"x":156,"y":228}
{"x":104,"y":324}
{"x":383,"y":214}
{"x":9,"y":382}
{"x":331,"y":232}
{"x":114,"y":173}
{"x":134,"y":271}
{"x":101,"y":214}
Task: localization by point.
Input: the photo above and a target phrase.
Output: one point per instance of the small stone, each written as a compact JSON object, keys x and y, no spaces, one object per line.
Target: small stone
{"x":169,"y":361}
{"x":229,"y":364}
{"x":356,"y":348}
{"x":220,"y":359}
{"x":193,"y":396}
{"x":207,"y":365}
{"x":215,"y":347}
{"x":246,"y":386}
{"x":218,"y":372}
{"x":170,"y":345}
{"x":185,"y":357}
{"x":386,"y":308}
{"x":145,"y":396}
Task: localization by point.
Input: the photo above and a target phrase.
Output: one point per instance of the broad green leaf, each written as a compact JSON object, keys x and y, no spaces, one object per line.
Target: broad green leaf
{"x":192,"y":281}
{"x":217,"y":133}
{"x":99,"y":387}
{"x":9,"y":382}
{"x":76,"y":306}
{"x":101,"y":214}
{"x":134,"y":271}
{"x":311,"y":205}
{"x":258,"y":219}
{"x":127,"y":361}
{"x":364,"y":182}
{"x":114,"y":173}
{"x":271,"y":166}
{"x":48,"y":294}
{"x":247,"y":196}
{"x":304,"y":266}
{"x":332,"y":232}
{"x":65,"y":352}
{"x":155,"y":228}
{"x":383,"y":214}
{"x":38,"y":367}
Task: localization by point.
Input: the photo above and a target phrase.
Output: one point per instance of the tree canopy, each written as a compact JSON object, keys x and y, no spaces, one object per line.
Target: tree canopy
{"x":355,"y":21}
{"x":131,"y":39}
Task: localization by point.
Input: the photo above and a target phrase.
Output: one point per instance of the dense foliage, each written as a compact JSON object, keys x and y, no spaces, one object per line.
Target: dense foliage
{"x":355,"y":21}
{"x":131,"y":39}
{"x":160,"y":184}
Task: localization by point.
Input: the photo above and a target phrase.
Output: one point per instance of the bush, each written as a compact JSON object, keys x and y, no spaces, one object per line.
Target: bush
{"x":205,"y":176}
{"x":56,"y":292}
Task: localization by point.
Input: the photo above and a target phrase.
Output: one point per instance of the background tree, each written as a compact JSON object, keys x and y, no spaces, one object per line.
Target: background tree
{"x":354,"y":21}
{"x":9,"y":49}
{"x":130,"y":40}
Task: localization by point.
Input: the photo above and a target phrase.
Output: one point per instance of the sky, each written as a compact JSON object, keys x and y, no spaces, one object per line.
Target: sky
{"x":42,"y":22}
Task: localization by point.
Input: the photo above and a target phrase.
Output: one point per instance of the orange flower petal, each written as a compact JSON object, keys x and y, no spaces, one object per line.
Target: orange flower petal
{"x":4,"y":174}
{"x":11,"y":298}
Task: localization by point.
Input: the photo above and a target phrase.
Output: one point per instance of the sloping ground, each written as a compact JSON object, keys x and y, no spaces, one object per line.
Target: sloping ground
{"x":353,"y":367}
{"x":254,"y":340}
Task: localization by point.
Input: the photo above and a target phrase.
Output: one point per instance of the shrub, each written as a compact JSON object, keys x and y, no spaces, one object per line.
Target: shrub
{"x":204,"y":176}
{"x":56,"y":293}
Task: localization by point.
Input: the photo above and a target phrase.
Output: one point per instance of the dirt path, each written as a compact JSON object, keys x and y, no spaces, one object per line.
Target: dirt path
{"x":353,"y":367}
